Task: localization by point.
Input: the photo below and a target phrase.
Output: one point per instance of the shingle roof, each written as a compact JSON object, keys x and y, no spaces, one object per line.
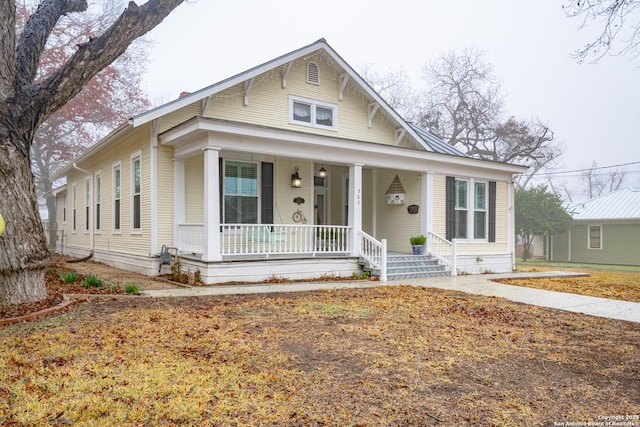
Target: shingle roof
{"x":620,"y":204}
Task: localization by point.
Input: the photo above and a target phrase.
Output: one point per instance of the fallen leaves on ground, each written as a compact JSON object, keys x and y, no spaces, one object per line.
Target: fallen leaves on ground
{"x":378,"y":356}
{"x":603,"y":284}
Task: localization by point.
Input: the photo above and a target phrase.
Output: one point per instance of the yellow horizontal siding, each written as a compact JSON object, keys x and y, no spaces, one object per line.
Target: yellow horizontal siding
{"x":165,"y":197}
{"x":394,"y":222}
{"x":105,"y":239}
{"x":194,"y":189}
{"x":183,"y":114}
{"x":269,"y":103}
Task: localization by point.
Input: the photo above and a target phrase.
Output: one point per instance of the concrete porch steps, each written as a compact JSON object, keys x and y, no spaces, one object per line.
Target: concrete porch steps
{"x":400,"y":267}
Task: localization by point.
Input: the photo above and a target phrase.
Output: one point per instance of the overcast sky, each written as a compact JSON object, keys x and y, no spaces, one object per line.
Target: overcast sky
{"x":592,"y":108}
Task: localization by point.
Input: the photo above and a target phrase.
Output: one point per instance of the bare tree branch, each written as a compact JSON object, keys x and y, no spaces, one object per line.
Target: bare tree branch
{"x":96,"y":54}
{"x":7,"y":49}
{"x":619,"y":21}
{"x":35,"y":34}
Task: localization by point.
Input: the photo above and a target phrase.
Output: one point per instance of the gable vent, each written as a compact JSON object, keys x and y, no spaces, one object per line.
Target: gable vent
{"x":313,"y":73}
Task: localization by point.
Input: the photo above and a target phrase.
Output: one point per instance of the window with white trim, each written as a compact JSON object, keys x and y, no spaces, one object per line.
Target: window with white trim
{"x":308,"y":112}
{"x":64,"y":207}
{"x":117,"y":188}
{"x":479,"y":210}
{"x":469,"y":209}
{"x":74,"y":199}
{"x":136,"y":185}
{"x":240,"y":192}
{"x":87,"y":203}
{"x":595,"y":237}
{"x":98,"y":196}
{"x":461,"y":209}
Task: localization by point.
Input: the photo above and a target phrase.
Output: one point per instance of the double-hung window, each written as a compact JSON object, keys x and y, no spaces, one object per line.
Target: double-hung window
{"x":470,"y":209}
{"x":595,"y":237}
{"x":136,"y":185}
{"x":87,"y":204}
{"x":479,"y":210}
{"x":64,"y":208}
{"x":117,"y":188}
{"x":240,"y":192}
{"x":74,"y":200}
{"x":98,"y":195}
{"x":312,"y":113}
{"x":461,"y":210}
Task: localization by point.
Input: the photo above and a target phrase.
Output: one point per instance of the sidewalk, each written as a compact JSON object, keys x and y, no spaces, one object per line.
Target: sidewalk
{"x":474,"y":284}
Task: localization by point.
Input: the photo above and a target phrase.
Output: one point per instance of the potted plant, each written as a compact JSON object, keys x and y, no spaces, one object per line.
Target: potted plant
{"x":417,"y":243}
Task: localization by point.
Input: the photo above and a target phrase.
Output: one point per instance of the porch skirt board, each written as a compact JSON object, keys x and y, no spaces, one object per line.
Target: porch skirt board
{"x":257,"y":271}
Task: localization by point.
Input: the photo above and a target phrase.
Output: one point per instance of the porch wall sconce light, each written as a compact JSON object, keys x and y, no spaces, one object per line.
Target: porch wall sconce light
{"x":322,"y":173}
{"x":296,"y":181}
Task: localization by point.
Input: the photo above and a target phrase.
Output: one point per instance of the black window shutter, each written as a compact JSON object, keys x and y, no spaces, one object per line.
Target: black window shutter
{"x":266,"y":193}
{"x":492,"y":211}
{"x":450,"y":206}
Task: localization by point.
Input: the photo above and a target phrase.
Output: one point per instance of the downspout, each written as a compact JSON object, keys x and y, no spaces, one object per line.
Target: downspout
{"x":91,"y":223}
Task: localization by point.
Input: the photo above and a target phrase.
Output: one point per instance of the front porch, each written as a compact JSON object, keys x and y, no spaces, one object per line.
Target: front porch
{"x":302,"y":251}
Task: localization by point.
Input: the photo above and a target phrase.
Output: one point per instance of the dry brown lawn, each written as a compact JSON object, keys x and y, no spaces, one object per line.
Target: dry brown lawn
{"x":380,"y":356}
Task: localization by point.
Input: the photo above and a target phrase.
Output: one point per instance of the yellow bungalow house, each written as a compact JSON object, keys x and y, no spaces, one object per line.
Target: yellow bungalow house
{"x":295,"y":168}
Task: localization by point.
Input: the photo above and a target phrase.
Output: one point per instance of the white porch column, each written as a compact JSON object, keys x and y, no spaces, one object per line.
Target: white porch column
{"x":211,"y":204}
{"x":179,"y":190}
{"x":355,"y":206}
{"x":426,"y":200}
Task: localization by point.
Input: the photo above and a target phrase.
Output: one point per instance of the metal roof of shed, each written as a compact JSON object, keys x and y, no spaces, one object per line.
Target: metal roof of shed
{"x":623,"y":204}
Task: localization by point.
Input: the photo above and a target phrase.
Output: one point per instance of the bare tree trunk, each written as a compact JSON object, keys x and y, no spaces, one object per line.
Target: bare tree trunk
{"x":23,"y":243}
{"x":25,"y":104}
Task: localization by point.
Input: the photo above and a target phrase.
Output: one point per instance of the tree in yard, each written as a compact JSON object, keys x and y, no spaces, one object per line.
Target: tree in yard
{"x":26,"y":102}
{"x":538,"y":212}
{"x":619,"y":33}
{"x":107,"y":100}
{"x":464,"y":107}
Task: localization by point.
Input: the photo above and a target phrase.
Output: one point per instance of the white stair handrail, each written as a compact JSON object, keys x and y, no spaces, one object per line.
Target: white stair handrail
{"x":444,"y":250}
{"x":374,"y":252}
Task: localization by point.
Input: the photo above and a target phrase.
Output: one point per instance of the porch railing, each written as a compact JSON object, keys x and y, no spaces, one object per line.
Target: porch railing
{"x":374,"y":252}
{"x":442,"y":249}
{"x":191,"y":238}
{"x":266,"y":239}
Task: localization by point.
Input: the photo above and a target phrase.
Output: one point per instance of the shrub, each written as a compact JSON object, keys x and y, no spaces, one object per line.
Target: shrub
{"x":91,"y":282}
{"x":132,"y":289}
{"x":69,"y":276}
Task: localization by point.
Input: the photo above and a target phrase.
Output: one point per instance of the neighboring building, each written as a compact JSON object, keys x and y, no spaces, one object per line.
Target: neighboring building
{"x":284,"y":170}
{"x":605,"y":230}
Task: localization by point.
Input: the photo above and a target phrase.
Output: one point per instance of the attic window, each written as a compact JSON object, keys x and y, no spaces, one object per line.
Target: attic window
{"x":308,"y":112}
{"x":313,"y":73}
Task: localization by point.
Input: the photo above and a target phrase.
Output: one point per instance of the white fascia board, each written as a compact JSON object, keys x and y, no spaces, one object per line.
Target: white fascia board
{"x":222,"y":85}
{"x":191,"y":136}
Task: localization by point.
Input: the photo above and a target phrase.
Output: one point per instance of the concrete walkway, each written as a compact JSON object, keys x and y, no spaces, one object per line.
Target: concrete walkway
{"x":474,"y":284}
